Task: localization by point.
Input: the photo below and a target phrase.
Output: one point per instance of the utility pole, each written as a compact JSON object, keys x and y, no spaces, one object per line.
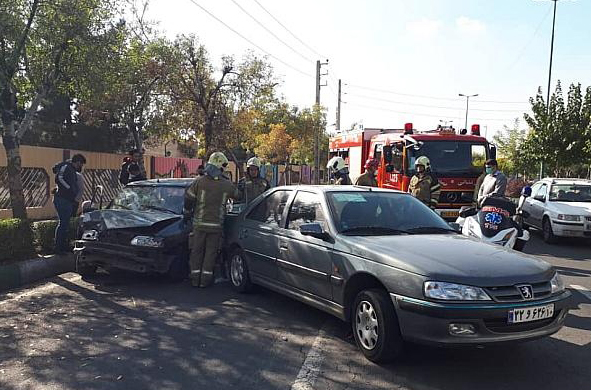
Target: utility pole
{"x":317,"y":135}
{"x":550,"y":68}
{"x":339,"y":108}
{"x":467,"y":105}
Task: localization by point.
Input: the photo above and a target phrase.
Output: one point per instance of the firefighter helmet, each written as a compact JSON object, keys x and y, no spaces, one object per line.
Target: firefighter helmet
{"x":424,"y":161}
{"x":372,"y":163}
{"x":253,"y":162}
{"x":337,"y":163}
{"x":218,"y":159}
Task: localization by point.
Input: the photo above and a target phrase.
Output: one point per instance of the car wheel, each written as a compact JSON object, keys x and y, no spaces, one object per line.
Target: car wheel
{"x":179,"y":268}
{"x":85,"y":270}
{"x":239,"y":275}
{"x":375,"y":326}
{"x":547,"y":232}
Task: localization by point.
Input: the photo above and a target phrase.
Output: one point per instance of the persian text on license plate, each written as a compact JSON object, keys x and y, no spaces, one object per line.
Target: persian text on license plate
{"x":528,"y":314}
{"x":450,"y":214}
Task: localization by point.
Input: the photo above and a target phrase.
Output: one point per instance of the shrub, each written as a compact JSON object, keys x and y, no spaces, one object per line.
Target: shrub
{"x":514,"y":187}
{"x":45,"y":233}
{"x":16,"y":240}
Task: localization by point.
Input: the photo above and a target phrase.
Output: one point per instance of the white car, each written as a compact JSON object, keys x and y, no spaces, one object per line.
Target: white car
{"x":560,"y":208}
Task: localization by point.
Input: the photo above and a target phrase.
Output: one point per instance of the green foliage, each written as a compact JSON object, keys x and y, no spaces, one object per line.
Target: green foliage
{"x":510,"y":142}
{"x":16,"y":238}
{"x":560,"y":136}
{"x":44,"y":233}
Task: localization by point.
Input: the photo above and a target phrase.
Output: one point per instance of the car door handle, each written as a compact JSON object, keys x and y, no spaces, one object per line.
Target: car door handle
{"x":283,"y":248}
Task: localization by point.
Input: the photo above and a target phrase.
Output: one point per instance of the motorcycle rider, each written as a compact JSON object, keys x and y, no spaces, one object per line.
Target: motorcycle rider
{"x":424,"y":185}
{"x":252,"y":185}
{"x":494,"y":183}
{"x":368,"y":178}
{"x":205,"y":201}
{"x":340,"y":171}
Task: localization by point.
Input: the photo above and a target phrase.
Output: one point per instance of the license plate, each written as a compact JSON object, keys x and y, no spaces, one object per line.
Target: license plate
{"x":450,"y":214}
{"x":528,"y":314}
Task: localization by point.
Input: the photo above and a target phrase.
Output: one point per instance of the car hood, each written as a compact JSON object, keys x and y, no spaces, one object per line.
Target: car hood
{"x":125,"y":219}
{"x":571,"y":208}
{"x":452,"y":258}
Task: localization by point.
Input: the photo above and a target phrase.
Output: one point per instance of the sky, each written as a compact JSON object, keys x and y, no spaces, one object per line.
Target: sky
{"x":399,"y":60}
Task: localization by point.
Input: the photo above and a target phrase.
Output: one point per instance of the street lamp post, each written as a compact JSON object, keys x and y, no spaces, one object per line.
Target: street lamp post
{"x":467,"y":105}
{"x":551,"y":54}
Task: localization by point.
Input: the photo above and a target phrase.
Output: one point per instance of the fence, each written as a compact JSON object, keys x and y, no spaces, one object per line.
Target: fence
{"x":104,"y":168}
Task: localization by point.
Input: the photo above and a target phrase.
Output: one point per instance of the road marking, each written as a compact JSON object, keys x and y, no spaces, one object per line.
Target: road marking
{"x":583,"y":290}
{"x":311,"y":367}
{"x":37,"y":290}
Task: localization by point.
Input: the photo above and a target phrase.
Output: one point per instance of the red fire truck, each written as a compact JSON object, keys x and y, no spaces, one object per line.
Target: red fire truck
{"x":457,"y":159}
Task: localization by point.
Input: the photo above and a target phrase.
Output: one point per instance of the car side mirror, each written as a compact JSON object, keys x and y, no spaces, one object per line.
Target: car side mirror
{"x":466,"y":212}
{"x":387,"y":153}
{"x":313,"y":230}
{"x":456,"y":227}
{"x":493,"y":152}
{"x":98,"y":193}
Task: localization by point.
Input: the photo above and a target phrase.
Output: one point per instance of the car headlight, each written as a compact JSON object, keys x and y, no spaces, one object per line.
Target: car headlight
{"x":557,"y":284}
{"x":454,"y":292}
{"x":149,"y":241}
{"x":90,"y":235}
{"x":568,"y":217}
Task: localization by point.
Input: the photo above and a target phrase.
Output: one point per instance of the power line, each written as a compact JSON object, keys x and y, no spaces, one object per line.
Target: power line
{"x":427,"y":105}
{"x":420,"y":114}
{"x":271,"y":32}
{"x":288,"y":30}
{"x":425,"y":96}
{"x":249,"y":41}
{"x":530,"y":40}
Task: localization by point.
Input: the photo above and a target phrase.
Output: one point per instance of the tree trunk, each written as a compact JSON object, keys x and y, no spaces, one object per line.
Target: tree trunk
{"x":208,"y":136}
{"x":136,"y":133}
{"x":13,"y":163}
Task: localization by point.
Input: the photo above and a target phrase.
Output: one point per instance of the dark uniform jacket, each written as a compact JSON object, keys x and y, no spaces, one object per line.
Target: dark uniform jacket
{"x":206,"y":199}
{"x":366,"y":179}
{"x":66,"y":180}
{"x":250,"y":188}
{"x":425,"y":188}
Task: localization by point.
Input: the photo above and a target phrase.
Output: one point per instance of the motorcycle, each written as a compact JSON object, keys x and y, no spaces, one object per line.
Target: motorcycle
{"x":498,"y":221}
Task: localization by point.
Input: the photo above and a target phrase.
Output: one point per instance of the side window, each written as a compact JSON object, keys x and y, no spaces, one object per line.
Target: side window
{"x":306,"y":208}
{"x":397,"y":158}
{"x":271,"y":208}
{"x":478,"y":156}
{"x":377,"y":154}
{"x":535,"y":188}
{"x":542,"y":191}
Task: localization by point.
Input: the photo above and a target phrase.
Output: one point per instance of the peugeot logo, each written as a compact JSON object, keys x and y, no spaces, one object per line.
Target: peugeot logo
{"x":526,"y":291}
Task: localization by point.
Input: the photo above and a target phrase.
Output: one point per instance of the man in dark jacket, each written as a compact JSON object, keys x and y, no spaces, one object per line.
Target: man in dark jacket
{"x":134,"y":158}
{"x":65,"y":197}
{"x":135,"y":173}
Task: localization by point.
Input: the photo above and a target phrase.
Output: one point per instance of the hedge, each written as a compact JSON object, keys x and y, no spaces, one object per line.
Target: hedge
{"x":19,"y":239}
{"x":16,"y":240}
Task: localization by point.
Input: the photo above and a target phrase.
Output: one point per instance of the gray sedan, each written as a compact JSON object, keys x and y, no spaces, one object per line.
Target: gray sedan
{"x":396,"y":271}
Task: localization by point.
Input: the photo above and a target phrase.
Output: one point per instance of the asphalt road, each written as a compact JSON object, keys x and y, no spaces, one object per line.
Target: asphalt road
{"x":134,"y":332}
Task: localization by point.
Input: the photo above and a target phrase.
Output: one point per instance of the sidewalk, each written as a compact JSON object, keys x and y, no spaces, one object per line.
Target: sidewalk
{"x":29,"y":271}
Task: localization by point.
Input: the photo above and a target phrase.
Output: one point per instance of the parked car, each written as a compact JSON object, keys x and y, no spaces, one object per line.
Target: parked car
{"x":141,"y":230}
{"x":560,"y":207}
{"x":394,"y":269}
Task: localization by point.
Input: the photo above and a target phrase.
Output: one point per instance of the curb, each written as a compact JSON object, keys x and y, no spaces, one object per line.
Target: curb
{"x":29,"y":271}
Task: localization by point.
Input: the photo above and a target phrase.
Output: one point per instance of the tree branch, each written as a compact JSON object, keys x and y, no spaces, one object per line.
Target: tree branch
{"x":21,"y":44}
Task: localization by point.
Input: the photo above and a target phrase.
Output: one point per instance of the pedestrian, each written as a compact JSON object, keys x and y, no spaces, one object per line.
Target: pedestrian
{"x":494,"y":183}
{"x":424,"y":185}
{"x":135,"y":173}
{"x":368,"y":178}
{"x":65,"y":197}
{"x":252,"y":185}
{"x":134,"y":157}
{"x":478,"y":185}
{"x":339,"y":170}
{"x":205,"y":202}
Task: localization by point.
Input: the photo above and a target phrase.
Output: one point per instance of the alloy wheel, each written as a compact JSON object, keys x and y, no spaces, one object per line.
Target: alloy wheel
{"x":237,"y":270}
{"x":366,"y":325}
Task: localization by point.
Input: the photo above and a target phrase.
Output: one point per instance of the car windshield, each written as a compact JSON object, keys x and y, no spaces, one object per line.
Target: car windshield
{"x":165,"y":198}
{"x":570,"y":193}
{"x":451,"y":158}
{"x":383,"y":213}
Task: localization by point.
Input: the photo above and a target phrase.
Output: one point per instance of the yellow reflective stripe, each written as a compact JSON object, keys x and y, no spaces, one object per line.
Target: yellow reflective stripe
{"x":223,"y":207}
{"x":199,"y":223}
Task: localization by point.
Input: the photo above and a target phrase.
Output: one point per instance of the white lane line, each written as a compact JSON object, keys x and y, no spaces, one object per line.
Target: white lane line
{"x":583,"y":290}
{"x":312,"y":364}
{"x":37,"y":290}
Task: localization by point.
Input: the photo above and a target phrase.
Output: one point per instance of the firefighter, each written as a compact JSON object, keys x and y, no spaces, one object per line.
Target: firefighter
{"x":368,"y":178}
{"x":340,"y":171}
{"x":205,"y":201}
{"x":253,"y":184}
{"x":424,"y":185}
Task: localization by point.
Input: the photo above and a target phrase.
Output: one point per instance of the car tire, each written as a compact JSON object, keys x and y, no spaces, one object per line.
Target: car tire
{"x":238,"y":270}
{"x":179,"y":268}
{"x":547,"y":232}
{"x":85,"y":270}
{"x":375,"y":326}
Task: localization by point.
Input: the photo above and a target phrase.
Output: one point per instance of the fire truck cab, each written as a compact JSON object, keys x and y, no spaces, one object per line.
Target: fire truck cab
{"x":457,"y":159}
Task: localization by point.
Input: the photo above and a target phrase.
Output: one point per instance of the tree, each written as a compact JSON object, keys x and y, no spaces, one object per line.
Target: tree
{"x":275,"y":146}
{"x":560,"y":135}
{"x":43,"y":45}
{"x":509,"y":144}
